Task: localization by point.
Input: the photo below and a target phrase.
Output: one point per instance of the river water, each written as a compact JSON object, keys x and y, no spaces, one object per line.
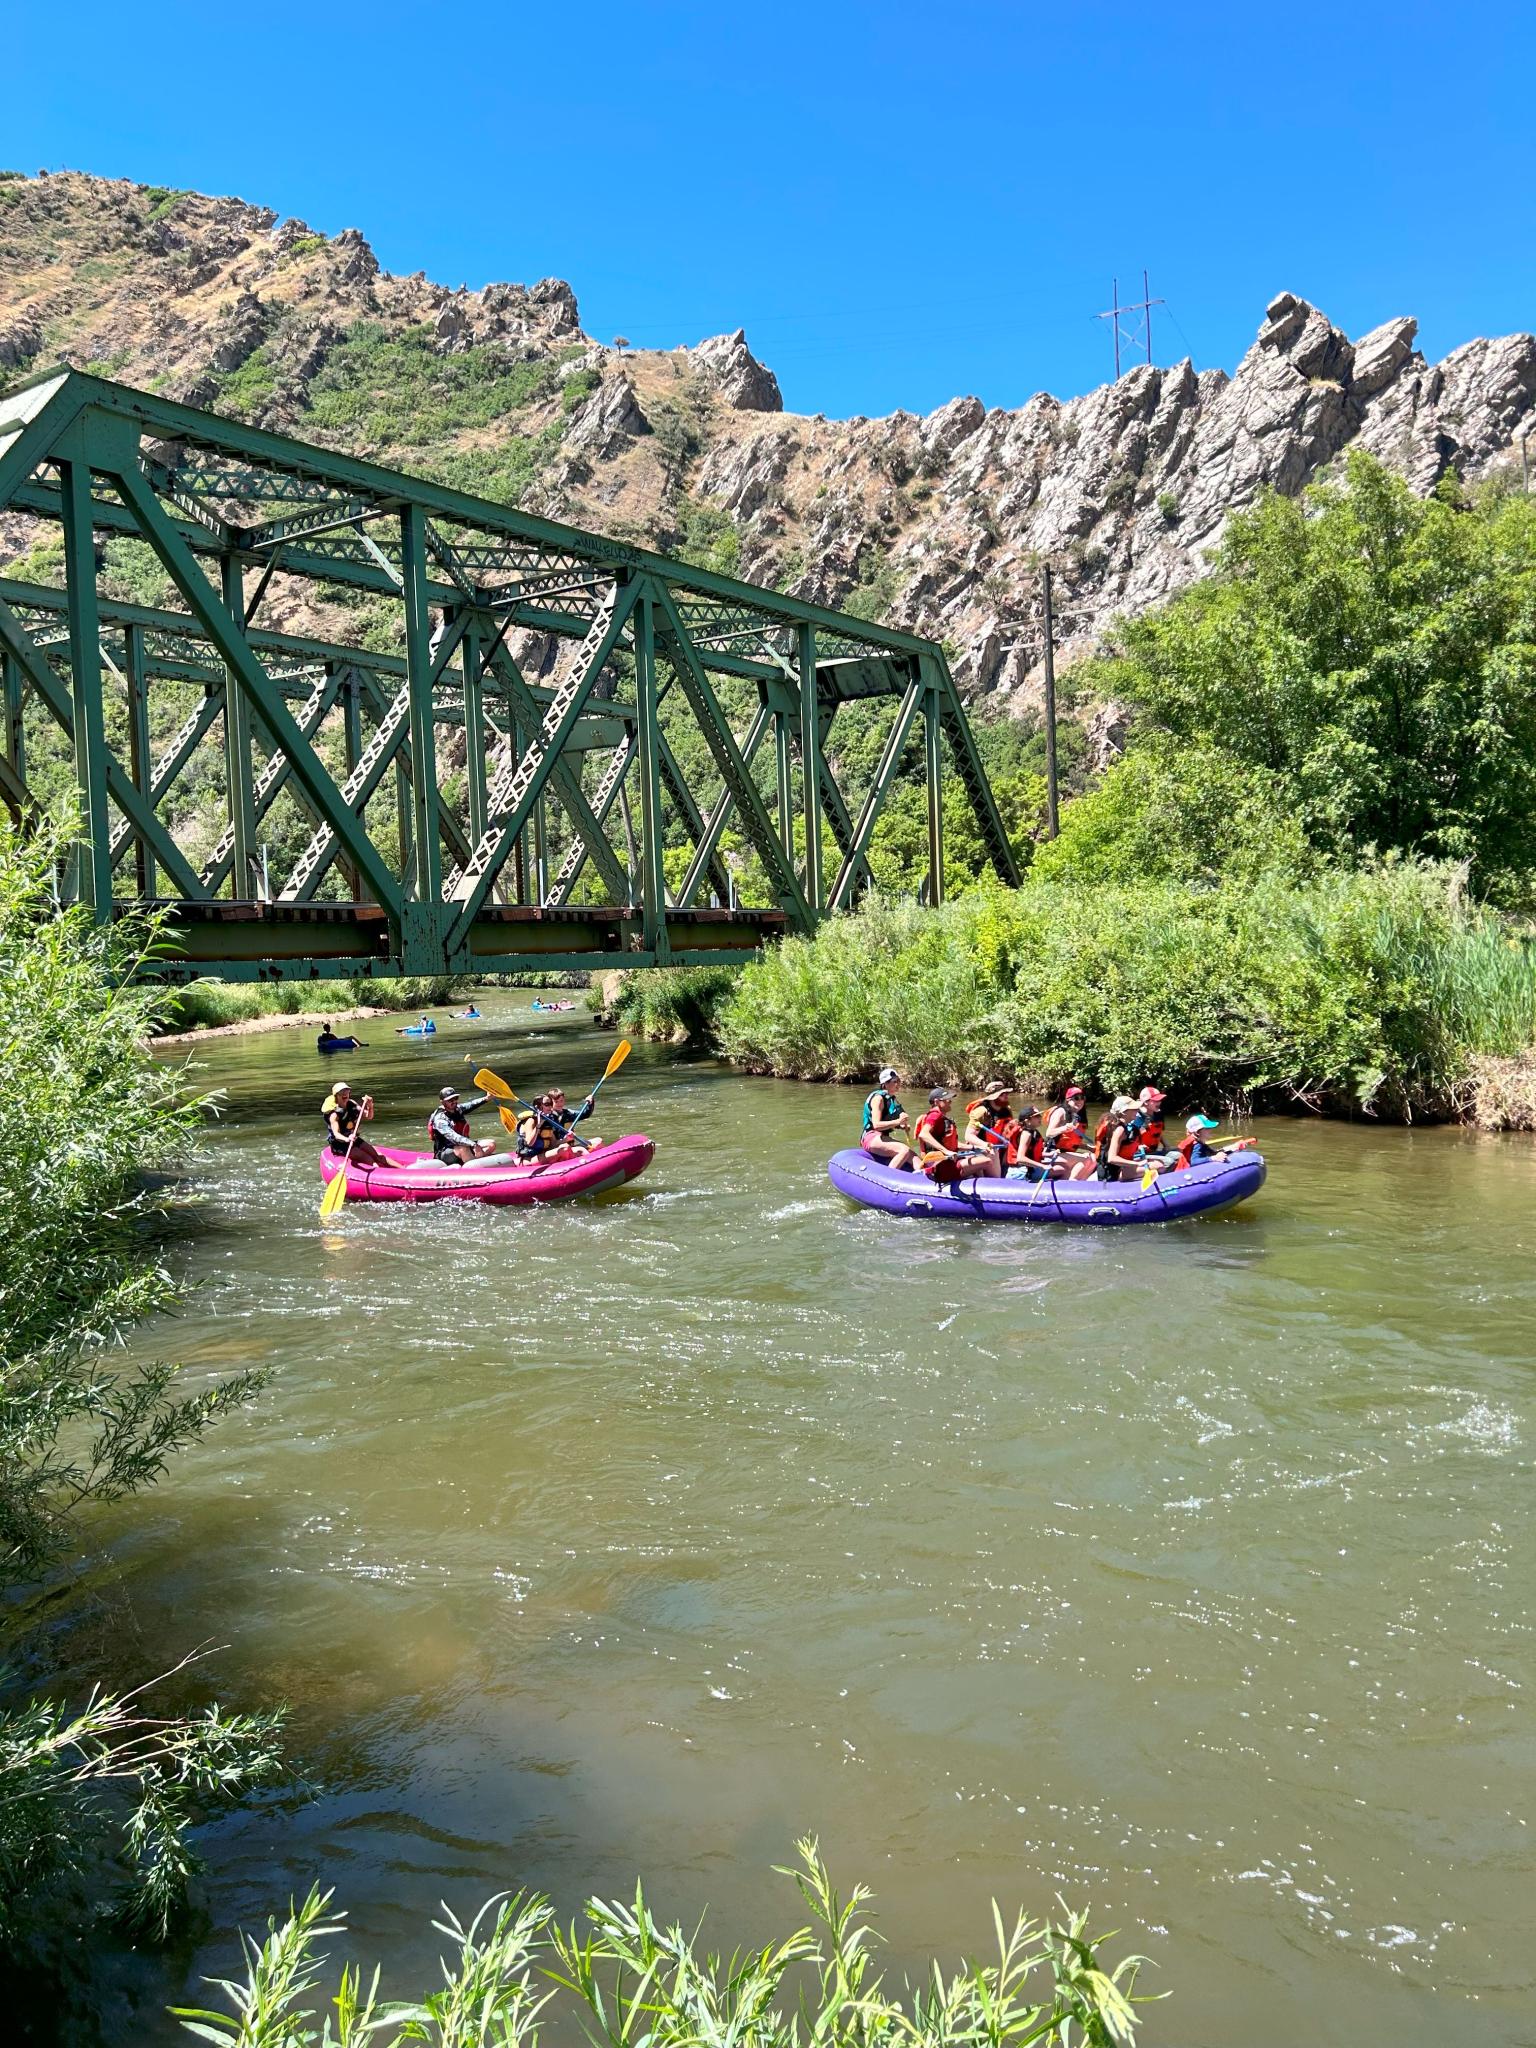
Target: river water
{"x":1186,"y":1573}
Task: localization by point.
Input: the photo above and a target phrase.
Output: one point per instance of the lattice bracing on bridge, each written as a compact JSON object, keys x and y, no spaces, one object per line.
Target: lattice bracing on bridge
{"x":522,"y":724}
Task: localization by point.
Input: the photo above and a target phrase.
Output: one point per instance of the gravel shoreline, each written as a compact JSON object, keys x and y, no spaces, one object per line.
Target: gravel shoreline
{"x":249,"y":1026}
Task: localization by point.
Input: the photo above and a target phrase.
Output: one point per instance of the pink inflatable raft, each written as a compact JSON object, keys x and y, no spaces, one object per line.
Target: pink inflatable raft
{"x":416,"y":1176}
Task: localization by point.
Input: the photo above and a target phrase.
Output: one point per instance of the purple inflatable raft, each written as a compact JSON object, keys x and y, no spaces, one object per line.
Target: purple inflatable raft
{"x":1219,"y":1184}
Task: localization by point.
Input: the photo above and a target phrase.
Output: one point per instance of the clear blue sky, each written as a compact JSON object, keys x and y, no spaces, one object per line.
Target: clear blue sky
{"x":899,"y":203}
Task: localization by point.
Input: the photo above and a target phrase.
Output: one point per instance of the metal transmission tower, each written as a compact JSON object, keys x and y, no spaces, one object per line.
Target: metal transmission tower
{"x":1131,"y":325}
{"x":403,"y":873}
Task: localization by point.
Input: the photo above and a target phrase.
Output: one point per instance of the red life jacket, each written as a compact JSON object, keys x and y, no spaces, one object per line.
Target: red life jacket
{"x":939,"y":1130}
{"x":1151,"y":1138}
{"x":1071,"y":1136}
{"x":1027,"y":1149}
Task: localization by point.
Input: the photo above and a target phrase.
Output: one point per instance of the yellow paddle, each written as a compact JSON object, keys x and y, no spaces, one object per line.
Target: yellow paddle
{"x":336,"y":1187}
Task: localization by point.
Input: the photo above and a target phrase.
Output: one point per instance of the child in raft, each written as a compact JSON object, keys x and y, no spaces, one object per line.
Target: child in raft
{"x":884,"y":1117}
{"x":1196,"y":1149}
{"x":941,"y":1154}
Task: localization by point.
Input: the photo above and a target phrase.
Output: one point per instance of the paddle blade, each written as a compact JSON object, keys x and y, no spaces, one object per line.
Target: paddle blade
{"x":492,"y":1084}
{"x":509,"y":1118}
{"x":335,"y":1193}
{"x":621,"y":1053}
{"x":1147,"y":1178}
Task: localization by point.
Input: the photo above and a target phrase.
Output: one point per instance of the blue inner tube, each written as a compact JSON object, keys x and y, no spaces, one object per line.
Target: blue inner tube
{"x":1202,"y":1190}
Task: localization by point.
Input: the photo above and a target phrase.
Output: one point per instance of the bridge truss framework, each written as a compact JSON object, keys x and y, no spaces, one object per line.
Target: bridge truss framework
{"x":466,"y":886}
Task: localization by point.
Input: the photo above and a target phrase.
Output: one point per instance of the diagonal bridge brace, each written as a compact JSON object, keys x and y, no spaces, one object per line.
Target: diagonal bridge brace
{"x":50,"y":692}
{"x":563,"y":778}
{"x":511,"y":802}
{"x":734,"y":772}
{"x":227,"y":633}
{"x":325,"y":843}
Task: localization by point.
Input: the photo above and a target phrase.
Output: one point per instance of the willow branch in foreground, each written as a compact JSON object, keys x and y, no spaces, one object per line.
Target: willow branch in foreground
{"x":627,"y":1979}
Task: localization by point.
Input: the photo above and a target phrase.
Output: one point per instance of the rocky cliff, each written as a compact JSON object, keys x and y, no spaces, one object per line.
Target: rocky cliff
{"x":939,"y":523}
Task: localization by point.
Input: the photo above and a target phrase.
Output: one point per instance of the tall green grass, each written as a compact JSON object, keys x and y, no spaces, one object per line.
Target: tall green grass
{"x":629,"y":1980}
{"x":674,"y":1002}
{"x":1371,"y":988}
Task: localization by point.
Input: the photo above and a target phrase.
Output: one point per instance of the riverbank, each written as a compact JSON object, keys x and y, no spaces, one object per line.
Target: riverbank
{"x":249,"y":1027}
{"x":204,"y":1006}
{"x":1376,"y":992}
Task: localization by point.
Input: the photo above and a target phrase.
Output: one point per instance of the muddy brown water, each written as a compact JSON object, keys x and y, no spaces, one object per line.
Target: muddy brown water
{"x":1183,"y":1572}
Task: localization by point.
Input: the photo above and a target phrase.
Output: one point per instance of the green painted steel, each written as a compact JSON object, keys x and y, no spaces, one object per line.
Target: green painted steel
{"x":426,"y":770}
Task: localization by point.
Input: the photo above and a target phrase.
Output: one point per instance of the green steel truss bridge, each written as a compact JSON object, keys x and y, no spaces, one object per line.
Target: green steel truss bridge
{"x":465,"y":886}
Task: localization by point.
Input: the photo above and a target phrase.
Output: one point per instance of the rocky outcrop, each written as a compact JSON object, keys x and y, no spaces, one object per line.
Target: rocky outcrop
{"x":940,"y":523}
{"x":728,"y":366}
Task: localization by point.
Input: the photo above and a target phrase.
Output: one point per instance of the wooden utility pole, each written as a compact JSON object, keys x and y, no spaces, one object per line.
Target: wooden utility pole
{"x":1052,"y":814}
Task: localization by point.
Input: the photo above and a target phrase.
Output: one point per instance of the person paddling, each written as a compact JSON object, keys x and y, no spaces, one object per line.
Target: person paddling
{"x":448,"y":1129}
{"x":1197,"y":1149}
{"x":1151,"y":1148}
{"x":342,"y":1116}
{"x":884,"y":1118}
{"x":545,"y":1132}
{"x":940,"y":1153}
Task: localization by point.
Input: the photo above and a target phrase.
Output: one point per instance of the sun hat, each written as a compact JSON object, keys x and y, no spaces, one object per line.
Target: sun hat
{"x":1200,"y":1123}
{"x":888,"y":1074}
{"x":993,"y":1089}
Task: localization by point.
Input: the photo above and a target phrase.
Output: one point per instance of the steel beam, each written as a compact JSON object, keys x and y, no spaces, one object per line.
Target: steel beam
{"x":140,"y":763}
{"x":56,"y":700}
{"x":885,"y":775}
{"x":811,"y":770}
{"x":237,"y":747}
{"x":515,"y":800}
{"x":695,"y":684}
{"x":721,"y":814}
{"x":653,"y":890}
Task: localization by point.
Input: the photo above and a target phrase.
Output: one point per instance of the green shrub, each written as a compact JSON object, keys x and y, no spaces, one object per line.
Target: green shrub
{"x":627,"y":1977}
{"x":105,"y":1781}
{"x":1369,"y":989}
{"x":675,"y":1002}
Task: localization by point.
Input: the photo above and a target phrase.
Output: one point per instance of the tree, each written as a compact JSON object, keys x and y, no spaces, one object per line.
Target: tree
{"x":1374,"y":651}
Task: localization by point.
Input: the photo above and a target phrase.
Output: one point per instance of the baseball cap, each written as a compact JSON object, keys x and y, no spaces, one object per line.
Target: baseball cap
{"x":1072,"y":1088}
{"x":941,"y":1095}
{"x":1152,"y":1095}
{"x":1027,"y":1113}
{"x":447,"y":1094}
{"x":888,"y":1074}
{"x":1200,"y":1123}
